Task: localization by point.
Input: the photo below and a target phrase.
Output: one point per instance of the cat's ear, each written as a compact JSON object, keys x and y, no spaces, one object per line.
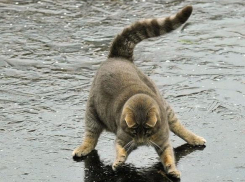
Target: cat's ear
{"x":152,"y":118}
{"x":130,"y":121}
{"x":152,"y":121}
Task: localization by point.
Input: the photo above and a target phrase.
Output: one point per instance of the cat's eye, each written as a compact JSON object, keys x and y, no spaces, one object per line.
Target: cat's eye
{"x":135,"y":126}
{"x":148,"y":133}
{"x":133,"y":132}
{"x":146,"y":126}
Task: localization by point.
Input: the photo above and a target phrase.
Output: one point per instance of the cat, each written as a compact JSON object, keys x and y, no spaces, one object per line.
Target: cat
{"x":126,"y":102}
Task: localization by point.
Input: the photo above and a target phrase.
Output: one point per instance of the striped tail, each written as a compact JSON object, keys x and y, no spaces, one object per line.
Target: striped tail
{"x":124,"y":43}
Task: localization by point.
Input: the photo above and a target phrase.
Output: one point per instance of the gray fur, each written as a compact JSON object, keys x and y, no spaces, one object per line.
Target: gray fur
{"x":124,"y":101}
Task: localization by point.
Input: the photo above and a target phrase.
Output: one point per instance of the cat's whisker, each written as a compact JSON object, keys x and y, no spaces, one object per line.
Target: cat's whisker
{"x":154,"y":144}
{"x":148,"y":143}
{"x":151,"y":144}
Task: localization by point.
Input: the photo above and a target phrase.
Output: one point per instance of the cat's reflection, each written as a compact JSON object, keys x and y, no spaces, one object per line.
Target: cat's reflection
{"x":96,"y":171}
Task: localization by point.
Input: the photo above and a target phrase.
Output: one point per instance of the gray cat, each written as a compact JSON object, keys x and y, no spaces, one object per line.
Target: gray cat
{"x":126,"y":102}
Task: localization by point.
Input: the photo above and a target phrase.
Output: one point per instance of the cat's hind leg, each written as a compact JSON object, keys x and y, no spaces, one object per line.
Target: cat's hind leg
{"x":93,"y":129}
{"x":177,"y":128}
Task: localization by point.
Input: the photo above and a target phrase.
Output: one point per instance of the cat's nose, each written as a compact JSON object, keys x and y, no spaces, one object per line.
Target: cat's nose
{"x":140,"y":140}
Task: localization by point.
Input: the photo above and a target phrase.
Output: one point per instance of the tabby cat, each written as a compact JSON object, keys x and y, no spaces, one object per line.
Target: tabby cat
{"x":126,"y":102}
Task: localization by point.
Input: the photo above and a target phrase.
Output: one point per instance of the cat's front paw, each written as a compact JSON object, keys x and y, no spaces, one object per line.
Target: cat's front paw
{"x":174,"y":173}
{"x":118,"y":162}
{"x":115,"y":165}
{"x":81,"y":151}
{"x":197,"y":140}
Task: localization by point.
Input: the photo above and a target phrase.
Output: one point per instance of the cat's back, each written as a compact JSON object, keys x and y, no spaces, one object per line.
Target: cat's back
{"x":115,"y":75}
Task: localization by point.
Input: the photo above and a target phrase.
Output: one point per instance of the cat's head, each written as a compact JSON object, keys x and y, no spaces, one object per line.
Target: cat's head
{"x":140,"y":117}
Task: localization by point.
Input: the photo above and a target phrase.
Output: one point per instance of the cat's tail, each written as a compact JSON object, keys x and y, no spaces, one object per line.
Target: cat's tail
{"x":124,"y":43}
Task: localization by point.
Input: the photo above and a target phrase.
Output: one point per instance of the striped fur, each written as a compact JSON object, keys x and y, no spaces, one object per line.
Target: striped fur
{"x":126,"y":102}
{"x":124,"y":43}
